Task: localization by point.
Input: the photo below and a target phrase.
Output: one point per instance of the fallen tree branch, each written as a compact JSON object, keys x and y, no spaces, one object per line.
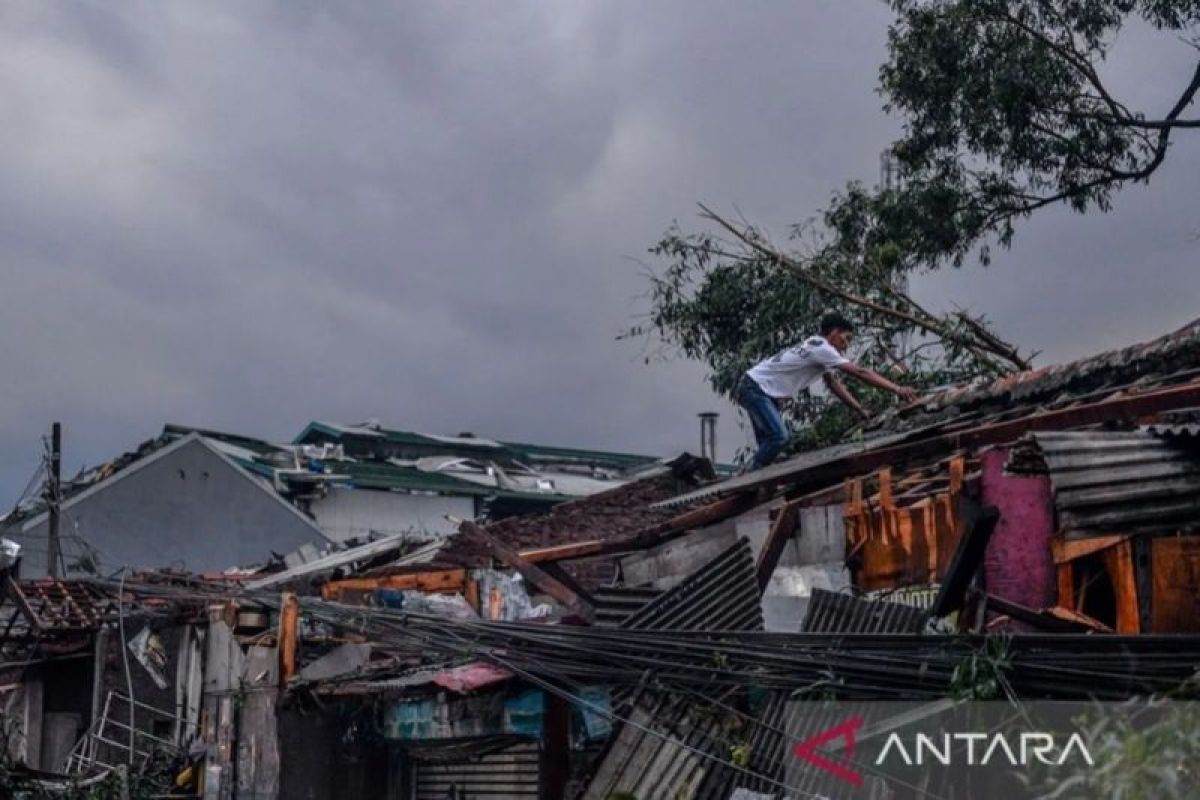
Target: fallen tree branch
{"x":988,"y":347}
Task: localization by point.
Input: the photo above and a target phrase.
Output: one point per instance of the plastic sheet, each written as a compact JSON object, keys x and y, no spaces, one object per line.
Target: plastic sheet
{"x":503,"y":597}
{"x":10,"y":551}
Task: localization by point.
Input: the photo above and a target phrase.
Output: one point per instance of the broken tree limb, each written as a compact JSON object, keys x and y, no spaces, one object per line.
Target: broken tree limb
{"x":987,"y":347}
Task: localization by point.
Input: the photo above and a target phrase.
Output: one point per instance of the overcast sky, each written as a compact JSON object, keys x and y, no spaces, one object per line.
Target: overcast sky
{"x":246,"y":215}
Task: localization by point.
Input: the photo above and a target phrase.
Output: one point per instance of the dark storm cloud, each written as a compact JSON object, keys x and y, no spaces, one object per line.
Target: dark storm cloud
{"x":247,"y":215}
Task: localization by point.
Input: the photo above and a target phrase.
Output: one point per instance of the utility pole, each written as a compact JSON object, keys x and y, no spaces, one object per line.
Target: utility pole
{"x":52,"y":496}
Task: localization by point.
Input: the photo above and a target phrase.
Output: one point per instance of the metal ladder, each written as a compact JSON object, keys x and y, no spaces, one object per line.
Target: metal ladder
{"x":99,"y":745}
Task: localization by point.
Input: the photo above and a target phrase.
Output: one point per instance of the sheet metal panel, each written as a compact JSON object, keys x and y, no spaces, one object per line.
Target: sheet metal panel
{"x":722,"y":595}
{"x":1123,"y":482}
{"x":833,"y":612}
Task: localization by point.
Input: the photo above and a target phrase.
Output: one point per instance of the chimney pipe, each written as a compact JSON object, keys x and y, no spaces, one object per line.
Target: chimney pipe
{"x":708,"y":435}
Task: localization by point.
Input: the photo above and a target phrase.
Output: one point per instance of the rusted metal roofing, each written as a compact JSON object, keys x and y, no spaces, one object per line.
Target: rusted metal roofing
{"x":1116,"y":482}
{"x":1169,"y":359}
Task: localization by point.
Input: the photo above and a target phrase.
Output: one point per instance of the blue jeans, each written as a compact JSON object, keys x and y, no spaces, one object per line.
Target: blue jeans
{"x":770,"y":433}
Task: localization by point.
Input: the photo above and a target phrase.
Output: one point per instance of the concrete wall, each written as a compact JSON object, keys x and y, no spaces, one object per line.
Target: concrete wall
{"x":1018,"y":565}
{"x":189,"y":508}
{"x":354,"y":513}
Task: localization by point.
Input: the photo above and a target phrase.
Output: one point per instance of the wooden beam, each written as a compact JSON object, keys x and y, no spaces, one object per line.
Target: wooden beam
{"x":560,"y":574}
{"x":787,"y":522}
{"x":531,"y":572}
{"x":1053,"y":620}
{"x":289,"y":636}
{"x":447,"y":580}
{"x":978,"y":524}
{"x":564,"y":552}
{"x":18,"y":597}
{"x":1065,"y":550}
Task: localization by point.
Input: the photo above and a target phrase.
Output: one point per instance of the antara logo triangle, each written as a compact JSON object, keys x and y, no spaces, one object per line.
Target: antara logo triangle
{"x":807,"y":750}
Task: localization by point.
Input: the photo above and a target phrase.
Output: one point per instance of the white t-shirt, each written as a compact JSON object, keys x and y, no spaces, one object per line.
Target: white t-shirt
{"x":788,"y":371}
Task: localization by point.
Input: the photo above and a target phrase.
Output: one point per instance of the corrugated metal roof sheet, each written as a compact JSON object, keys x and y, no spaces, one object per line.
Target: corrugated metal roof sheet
{"x":834,"y":612}
{"x":1107,"y":482}
{"x":722,"y":595}
{"x":615,"y":604}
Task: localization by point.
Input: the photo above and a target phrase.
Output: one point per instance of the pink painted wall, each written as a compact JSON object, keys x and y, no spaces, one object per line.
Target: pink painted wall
{"x":1018,"y":565}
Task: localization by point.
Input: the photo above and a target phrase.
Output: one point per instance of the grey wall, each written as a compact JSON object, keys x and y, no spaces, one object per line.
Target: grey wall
{"x":189,"y":508}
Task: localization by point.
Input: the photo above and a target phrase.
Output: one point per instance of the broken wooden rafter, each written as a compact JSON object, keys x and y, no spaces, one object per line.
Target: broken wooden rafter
{"x":536,"y":576}
{"x":979,"y":523}
{"x":787,"y":523}
{"x":289,"y":636}
{"x":446,"y":580}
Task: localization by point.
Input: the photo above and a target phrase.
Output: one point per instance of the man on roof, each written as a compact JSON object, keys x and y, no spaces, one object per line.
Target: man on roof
{"x":761,"y":390}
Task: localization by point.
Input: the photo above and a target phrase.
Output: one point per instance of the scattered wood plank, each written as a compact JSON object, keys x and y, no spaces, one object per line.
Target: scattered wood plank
{"x":532,"y":572}
{"x":978,"y":524}
{"x":289,"y":636}
{"x":447,"y":580}
{"x":787,"y":522}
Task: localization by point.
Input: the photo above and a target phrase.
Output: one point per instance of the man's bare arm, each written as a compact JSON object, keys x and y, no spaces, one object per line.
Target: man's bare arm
{"x":877,"y":380}
{"x":842,"y":393}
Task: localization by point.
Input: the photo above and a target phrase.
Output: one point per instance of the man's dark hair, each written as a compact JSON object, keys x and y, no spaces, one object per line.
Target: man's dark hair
{"x":833,"y":322}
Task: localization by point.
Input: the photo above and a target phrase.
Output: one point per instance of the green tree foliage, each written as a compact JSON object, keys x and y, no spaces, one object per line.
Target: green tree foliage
{"x":730,"y":297}
{"x":1007,"y":110}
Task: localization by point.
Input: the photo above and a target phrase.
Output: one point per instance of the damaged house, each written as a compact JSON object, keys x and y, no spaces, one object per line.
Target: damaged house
{"x":675,"y":636}
{"x":207,"y":501}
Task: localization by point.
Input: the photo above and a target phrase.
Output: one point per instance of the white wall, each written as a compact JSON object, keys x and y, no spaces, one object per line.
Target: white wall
{"x":354,"y":513}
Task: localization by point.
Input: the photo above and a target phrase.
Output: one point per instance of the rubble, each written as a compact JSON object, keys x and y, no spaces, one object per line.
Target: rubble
{"x":675,"y":635}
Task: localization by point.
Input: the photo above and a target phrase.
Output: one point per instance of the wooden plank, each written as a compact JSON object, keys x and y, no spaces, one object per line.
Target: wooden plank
{"x":786,"y":524}
{"x":556,"y":571}
{"x":979,"y":522}
{"x":450,"y":580}
{"x":1066,"y":586}
{"x":1118,"y":561}
{"x":531,"y":572}
{"x":471,"y":593}
{"x":14,"y":591}
{"x":1056,"y":620}
{"x":289,"y":634}
{"x":1065,"y":550}
{"x":564,"y":552}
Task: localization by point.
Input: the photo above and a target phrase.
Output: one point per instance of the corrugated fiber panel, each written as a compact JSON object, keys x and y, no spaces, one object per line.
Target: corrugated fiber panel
{"x":831,"y":612}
